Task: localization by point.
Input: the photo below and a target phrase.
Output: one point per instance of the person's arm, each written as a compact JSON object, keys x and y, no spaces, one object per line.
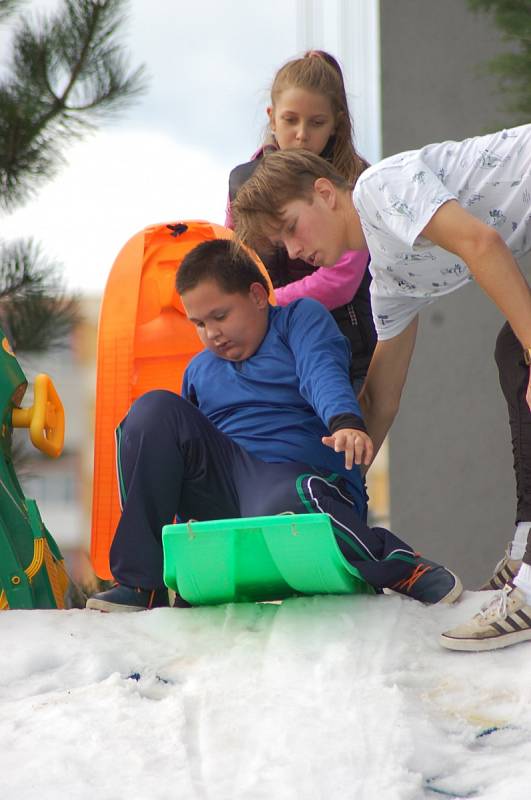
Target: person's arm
{"x":322,"y":356}
{"x":491,"y":263}
{"x":332,"y":286}
{"x":380,"y":397}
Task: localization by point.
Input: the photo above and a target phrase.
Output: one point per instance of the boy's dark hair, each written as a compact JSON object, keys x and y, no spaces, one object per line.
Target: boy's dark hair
{"x":221,"y":261}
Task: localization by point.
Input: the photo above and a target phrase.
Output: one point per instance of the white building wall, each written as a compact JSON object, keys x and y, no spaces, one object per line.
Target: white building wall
{"x":349,"y":29}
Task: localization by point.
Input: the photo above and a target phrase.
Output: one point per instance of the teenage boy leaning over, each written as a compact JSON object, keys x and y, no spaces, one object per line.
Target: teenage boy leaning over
{"x":268,"y":423}
{"x":433,"y":219}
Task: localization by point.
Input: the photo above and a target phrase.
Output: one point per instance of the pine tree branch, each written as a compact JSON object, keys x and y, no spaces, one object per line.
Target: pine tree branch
{"x":64,"y":75}
{"x":89,"y":37}
{"x":8,"y":7}
{"x":36,"y":312}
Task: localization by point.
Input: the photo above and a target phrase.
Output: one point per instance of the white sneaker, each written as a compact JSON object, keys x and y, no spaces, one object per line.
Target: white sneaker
{"x":504,"y":620}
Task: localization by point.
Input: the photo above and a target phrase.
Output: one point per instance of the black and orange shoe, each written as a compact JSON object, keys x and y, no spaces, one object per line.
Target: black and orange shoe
{"x":430,"y":583}
{"x":126,"y":598}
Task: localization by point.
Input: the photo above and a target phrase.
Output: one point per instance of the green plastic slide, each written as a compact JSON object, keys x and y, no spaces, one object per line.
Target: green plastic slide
{"x":32,"y":573}
{"x":256,"y":558}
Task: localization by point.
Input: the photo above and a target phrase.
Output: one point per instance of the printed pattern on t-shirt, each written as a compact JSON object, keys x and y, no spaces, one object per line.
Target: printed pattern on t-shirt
{"x":488,"y":175}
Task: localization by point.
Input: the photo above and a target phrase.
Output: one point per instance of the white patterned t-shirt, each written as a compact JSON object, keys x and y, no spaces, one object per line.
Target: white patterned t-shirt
{"x":490,"y":176}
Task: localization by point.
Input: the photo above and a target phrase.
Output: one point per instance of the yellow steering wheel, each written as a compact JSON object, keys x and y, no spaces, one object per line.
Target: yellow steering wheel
{"x":45,"y":418}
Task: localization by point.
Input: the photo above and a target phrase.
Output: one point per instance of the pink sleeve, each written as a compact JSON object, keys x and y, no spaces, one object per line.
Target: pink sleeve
{"x":228,"y":215}
{"x":332,"y":286}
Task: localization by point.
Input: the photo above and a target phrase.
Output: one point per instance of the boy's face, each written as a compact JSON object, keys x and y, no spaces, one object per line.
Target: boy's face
{"x":314,"y":230}
{"x":232,"y":326}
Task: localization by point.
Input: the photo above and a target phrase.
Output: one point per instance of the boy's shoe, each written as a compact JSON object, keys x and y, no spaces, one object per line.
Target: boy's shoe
{"x":430,"y":583}
{"x":504,"y":572}
{"x":504,"y":620}
{"x":125,"y":598}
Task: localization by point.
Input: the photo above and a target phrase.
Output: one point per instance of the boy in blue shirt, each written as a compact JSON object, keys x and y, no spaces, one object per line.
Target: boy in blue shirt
{"x":268,"y":423}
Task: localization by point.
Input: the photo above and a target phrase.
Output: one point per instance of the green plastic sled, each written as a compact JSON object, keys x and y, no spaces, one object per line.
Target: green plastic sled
{"x":256,"y":558}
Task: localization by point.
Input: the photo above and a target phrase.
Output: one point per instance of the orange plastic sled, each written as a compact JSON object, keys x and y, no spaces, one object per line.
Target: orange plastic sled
{"x":145,"y":342}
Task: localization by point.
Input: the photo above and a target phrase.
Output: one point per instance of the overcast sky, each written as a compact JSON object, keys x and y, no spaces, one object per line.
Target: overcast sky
{"x":210,"y":63}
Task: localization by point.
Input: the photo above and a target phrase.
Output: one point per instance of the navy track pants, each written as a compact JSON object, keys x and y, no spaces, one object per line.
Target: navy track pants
{"x":173,"y":461}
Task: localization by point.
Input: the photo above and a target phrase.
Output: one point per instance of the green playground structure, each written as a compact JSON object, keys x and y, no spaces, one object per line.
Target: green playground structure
{"x":32,"y":573}
{"x":257,"y":558}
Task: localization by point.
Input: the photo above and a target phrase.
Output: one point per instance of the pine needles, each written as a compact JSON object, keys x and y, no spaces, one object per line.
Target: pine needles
{"x":65,"y":74}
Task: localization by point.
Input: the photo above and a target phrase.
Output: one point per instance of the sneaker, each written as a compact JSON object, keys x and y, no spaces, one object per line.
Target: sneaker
{"x":504,"y":572}
{"x":125,"y":598}
{"x":502,"y":621}
{"x":430,"y":583}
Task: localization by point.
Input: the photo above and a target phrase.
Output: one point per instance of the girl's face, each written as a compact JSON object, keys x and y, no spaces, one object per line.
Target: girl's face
{"x":302,"y":119}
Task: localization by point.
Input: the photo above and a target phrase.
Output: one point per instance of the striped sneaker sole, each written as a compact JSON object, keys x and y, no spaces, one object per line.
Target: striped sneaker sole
{"x":494,"y":642}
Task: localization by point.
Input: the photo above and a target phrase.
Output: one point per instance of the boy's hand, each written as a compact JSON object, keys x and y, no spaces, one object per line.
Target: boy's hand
{"x":356,"y":445}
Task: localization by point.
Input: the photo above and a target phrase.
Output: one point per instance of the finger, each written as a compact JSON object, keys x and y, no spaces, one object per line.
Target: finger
{"x":349,"y":452}
{"x":340,"y":441}
{"x":359,"y":448}
{"x":369,"y":450}
{"x":328,"y":441}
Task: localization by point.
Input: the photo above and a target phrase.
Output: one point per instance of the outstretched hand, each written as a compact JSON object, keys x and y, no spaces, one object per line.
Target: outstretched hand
{"x":356,"y":445}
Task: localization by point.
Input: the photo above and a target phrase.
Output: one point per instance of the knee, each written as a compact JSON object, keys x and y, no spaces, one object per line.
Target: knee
{"x":152,"y":410}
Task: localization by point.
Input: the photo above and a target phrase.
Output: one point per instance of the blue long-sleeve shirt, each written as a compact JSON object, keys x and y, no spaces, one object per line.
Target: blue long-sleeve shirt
{"x":278,"y":403}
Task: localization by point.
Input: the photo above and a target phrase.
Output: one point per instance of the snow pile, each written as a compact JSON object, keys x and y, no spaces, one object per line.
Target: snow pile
{"x":324,"y":697}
